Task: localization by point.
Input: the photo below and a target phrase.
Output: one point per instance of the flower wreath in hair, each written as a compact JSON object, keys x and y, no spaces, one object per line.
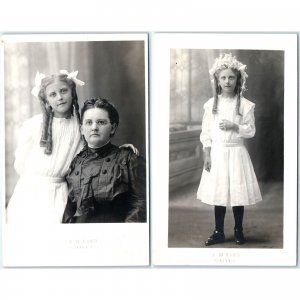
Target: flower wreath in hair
{"x":227,"y":61}
{"x":40,"y":76}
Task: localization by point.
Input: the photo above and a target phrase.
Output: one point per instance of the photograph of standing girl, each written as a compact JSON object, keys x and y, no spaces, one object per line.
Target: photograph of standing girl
{"x":228,"y":177}
{"x":47,"y":143}
{"x":233,"y":100}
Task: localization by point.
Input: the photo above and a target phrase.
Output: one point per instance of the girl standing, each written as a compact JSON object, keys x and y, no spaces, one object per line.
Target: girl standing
{"x":228,"y":177}
{"x":47,"y":143}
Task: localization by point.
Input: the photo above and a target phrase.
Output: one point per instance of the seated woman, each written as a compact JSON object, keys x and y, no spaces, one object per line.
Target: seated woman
{"x":106,"y":183}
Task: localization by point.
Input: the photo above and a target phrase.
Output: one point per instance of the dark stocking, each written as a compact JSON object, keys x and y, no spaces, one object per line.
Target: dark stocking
{"x":238,"y":213}
{"x":219,"y":217}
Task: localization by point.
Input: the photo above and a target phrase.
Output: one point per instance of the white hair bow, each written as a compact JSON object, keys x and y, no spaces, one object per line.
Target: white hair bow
{"x":72,"y":76}
{"x":40,"y":76}
{"x":38,"y":80}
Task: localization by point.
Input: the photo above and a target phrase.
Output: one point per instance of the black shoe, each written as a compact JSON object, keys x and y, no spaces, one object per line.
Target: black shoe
{"x":239,"y":236}
{"x":216,"y":238}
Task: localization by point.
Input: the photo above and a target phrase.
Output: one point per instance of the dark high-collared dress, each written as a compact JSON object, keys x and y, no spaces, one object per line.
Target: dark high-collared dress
{"x":106,"y":185}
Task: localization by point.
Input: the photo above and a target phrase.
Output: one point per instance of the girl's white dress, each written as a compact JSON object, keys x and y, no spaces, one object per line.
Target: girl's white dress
{"x":41,"y":193}
{"x":231,"y":180}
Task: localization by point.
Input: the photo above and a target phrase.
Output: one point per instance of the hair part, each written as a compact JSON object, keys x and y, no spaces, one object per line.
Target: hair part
{"x":103,"y":104}
{"x":218,"y":90}
{"x":48,"y":114}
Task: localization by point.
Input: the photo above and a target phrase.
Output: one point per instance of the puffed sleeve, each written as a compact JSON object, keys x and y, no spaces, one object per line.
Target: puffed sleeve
{"x":205,"y":136}
{"x":247,"y":126}
{"x":27,"y":135}
{"x":137,"y":181}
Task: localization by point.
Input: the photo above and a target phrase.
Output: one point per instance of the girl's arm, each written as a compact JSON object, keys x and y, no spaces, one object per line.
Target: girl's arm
{"x":247,"y":127}
{"x":205,"y":136}
{"x":207,"y":159}
{"x":25,"y":141}
{"x":228,"y":125}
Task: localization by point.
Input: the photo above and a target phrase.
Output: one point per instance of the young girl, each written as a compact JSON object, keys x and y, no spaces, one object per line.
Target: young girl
{"x":47,"y":145}
{"x":228,"y":178}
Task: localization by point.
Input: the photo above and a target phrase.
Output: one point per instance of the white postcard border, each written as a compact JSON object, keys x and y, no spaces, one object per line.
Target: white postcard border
{"x":161,"y":254}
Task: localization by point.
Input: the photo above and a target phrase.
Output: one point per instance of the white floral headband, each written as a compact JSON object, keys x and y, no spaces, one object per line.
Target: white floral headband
{"x":40,"y":76}
{"x":227,"y":61}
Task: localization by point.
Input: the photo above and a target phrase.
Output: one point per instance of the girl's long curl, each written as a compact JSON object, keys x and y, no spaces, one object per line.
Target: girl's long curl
{"x":48,"y":114}
{"x":217,"y":90}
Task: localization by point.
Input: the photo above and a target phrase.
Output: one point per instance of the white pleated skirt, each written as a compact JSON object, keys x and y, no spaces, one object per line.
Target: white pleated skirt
{"x":231,"y":180}
{"x":37,"y":200}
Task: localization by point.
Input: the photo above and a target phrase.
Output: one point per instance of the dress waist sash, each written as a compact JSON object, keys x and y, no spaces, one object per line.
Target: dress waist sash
{"x":228,"y":144}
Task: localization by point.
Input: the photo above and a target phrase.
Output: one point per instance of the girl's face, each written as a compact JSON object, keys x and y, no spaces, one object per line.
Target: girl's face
{"x":227,"y":80}
{"x":59,"y":96}
{"x":96,"y":127}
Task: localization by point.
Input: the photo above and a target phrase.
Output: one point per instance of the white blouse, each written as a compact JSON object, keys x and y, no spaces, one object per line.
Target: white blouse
{"x":211,"y":133}
{"x":41,"y":192}
{"x":30,"y":158}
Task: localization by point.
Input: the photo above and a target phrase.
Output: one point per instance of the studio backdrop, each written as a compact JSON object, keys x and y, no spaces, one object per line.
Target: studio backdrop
{"x":190,"y":88}
{"x":114,"y":70}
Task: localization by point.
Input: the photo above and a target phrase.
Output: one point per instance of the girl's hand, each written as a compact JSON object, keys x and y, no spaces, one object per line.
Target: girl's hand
{"x":135,"y":150}
{"x":228,"y":125}
{"x":207,"y":162}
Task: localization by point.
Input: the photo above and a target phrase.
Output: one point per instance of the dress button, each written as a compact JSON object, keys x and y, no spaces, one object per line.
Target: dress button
{"x":77,"y":173}
{"x":108,"y":159}
{"x":104,"y":171}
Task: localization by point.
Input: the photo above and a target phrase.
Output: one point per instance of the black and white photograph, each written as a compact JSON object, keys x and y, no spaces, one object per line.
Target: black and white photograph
{"x":76,"y":150}
{"x":227,"y":141}
{"x":177,"y":247}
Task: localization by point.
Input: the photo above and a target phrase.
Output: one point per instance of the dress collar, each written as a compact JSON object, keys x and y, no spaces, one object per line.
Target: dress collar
{"x":228,"y":99}
{"x":102,"y":151}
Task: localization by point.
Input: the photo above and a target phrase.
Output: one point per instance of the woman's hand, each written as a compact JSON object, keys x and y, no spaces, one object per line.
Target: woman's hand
{"x":207,"y":159}
{"x":228,"y":125}
{"x":135,"y":150}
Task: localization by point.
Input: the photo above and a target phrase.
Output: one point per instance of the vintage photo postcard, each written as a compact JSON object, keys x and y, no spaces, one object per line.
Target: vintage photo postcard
{"x":224,"y":149}
{"x":75,"y":120}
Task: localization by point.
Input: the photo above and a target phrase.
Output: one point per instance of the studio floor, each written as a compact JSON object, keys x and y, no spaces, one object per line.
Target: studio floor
{"x":191,"y":222}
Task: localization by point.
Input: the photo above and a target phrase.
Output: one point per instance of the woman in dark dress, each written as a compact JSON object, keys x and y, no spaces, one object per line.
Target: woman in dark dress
{"x":107,"y":184}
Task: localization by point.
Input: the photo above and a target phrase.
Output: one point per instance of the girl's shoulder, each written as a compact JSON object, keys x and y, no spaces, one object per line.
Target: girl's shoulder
{"x":209,"y":103}
{"x":33,"y":122}
{"x":246,"y":105}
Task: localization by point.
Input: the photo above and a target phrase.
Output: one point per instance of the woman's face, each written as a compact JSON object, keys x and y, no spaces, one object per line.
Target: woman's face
{"x":96,"y":127}
{"x":59,"y":96}
{"x":227,"y":80}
